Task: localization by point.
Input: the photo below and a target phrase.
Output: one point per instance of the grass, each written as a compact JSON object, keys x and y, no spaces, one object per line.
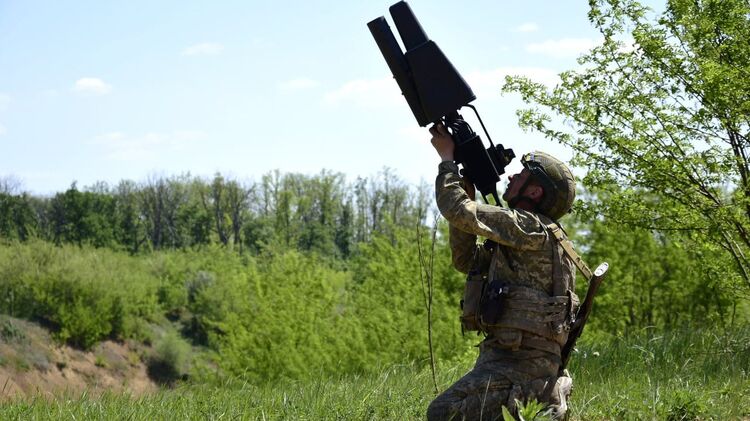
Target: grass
{"x":683,"y":375}
{"x":396,"y":393}
{"x":680,"y":376}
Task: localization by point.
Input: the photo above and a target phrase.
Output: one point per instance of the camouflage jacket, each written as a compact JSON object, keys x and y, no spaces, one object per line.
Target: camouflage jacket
{"x":525,"y":255}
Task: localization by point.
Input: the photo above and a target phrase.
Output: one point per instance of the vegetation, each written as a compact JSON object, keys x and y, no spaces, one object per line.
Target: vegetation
{"x":249,"y":310}
{"x":658,"y":117}
{"x":686,"y":375}
{"x":84,"y":296}
{"x":169,"y":360}
{"x":658,"y":281}
{"x":306,"y":296}
{"x":321,"y":213}
{"x":279,"y":324}
{"x":679,"y":375}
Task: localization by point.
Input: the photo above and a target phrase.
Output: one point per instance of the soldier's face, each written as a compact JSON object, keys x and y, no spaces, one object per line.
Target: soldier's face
{"x":515,"y":182}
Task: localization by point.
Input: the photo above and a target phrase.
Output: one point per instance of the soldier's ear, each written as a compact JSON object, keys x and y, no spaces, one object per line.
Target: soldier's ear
{"x":534,"y":192}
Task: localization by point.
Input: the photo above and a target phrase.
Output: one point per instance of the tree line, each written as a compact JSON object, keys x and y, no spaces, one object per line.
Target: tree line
{"x":322,"y":213}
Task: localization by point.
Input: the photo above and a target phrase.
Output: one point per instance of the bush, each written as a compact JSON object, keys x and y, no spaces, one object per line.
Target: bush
{"x":84,"y":295}
{"x":10,"y":332}
{"x":295,"y":315}
{"x":170,"y":359}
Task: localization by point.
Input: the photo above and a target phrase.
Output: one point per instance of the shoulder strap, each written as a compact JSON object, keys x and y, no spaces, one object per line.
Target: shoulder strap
{"x":558,"y":287}
{"x":594,"y":279}
{"x":568,"y":249}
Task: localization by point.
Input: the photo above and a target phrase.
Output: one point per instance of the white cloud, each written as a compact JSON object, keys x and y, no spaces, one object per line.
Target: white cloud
{"x":566,"y":47}
{"x":123,"y":147}
{"x":203,"y":49}
{"x":488,"y":83}
{"x":91,"y":86}
{"x":4,"y":101}
{"x":372,"y":93}
{"x":298,"y":84}
{"x":527,"y":27}
{"x":3,"y":130}
{"x":366,"y":93}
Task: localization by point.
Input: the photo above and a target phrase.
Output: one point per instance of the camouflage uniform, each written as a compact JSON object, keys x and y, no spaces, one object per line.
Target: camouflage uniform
{"x":513,"y":363}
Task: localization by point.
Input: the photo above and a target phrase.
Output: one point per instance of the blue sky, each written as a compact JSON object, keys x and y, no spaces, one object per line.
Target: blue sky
{"x":108,"y":91}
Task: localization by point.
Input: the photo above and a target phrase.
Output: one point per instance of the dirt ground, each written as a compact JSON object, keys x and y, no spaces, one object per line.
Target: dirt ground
{"x":33,"y":364}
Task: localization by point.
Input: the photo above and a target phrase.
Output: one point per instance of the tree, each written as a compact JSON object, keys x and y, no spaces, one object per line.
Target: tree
{"x":161,"y":202}
{"x":129,"y":224}
{"x":385,"y":202}
{"x":213,"y":198}
{"x":10,"y":185}
{"x":238,"y":197}
{"x":83,"y":217}
{"x":665,"y":118}
{"x":320,"y":199}
{"x":343,"y":235}
{"x":655,"y":280}
{"x":17,"y":217}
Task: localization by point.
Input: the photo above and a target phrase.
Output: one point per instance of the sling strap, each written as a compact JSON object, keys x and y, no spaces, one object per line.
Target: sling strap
{"x":558,"y":233}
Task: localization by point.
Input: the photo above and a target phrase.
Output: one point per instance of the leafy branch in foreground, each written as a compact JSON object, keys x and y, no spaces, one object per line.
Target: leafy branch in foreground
{"x":661,"y":125}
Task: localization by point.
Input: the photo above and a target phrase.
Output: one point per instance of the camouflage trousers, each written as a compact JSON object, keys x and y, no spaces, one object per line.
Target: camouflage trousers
{"x":499,"y":378}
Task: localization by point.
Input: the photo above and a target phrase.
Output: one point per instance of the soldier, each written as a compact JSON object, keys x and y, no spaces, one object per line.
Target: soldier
{"x":527,"y":299}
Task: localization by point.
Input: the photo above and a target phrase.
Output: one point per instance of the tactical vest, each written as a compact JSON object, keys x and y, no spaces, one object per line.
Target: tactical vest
{"x":490,"y":304}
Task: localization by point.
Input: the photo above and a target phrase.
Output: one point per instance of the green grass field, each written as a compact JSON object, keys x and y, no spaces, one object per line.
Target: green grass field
{"x":685,"y":376}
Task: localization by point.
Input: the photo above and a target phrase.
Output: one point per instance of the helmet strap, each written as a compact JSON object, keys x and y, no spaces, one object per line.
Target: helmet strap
{"x":513,"y":203}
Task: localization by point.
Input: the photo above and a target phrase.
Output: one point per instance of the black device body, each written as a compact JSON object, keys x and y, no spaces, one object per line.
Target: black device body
{"x":435,"y":92}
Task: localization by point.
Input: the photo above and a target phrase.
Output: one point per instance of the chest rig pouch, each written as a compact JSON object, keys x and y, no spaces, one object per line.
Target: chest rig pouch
{"x":474,"y":287}
{"x":488,"y":305}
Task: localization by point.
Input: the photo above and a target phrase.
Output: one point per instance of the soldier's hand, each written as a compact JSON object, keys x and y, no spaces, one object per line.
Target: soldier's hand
{"x":442,"y":142}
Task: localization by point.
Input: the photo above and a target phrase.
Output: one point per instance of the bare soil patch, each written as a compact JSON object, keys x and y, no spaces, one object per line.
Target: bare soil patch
{"x":33,"y":364}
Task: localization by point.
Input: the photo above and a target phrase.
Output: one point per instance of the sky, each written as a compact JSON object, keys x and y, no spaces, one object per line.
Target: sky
{"x":105,"y":91}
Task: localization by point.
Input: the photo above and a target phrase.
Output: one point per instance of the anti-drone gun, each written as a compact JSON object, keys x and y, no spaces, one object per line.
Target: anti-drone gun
{"x":435,"y":92}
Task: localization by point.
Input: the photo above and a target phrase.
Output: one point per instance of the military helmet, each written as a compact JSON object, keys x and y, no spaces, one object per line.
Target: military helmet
{"x":556,"y":180}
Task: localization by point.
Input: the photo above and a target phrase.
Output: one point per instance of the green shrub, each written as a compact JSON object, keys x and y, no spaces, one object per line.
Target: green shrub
{"x":294,"y":315}
{"x":170,"y":359}
{"x":83,"y":294}
{"x":10,"y":332}
{"x":83,"y":324}
{"x":283,"y":320}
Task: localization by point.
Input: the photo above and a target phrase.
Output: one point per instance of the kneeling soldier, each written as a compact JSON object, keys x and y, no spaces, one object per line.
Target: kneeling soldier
{"x":520,"y":291}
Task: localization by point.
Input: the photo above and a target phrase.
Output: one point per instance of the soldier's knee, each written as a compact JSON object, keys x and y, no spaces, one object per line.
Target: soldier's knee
{"x":440,"y":410}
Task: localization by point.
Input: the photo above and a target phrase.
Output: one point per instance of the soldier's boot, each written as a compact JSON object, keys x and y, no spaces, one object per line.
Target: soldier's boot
{"x":559,"y":397}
